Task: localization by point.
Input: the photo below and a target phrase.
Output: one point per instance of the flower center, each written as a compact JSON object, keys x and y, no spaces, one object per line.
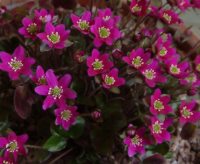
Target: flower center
{"x":66,"y":115}
{"x":191,"y":78}
{"x":174,"y":69}
{"x":97,"y":64}
{"x":109,"y":80}
{"x":186,"y":113}
{"x":157,"y":127}
{"x":15,"y":64}
{"x":136,"y":8}
{"x":56,"y":92}
{"x":12,"y":146}
{"x":106,"y":18}
{"x":104,"y":32}
{"x":45,"y":18}
{"x":158,"y":105}
{"x":149,"y":74}
{"x":163,"y":52}
{"x":83,"y":24}
{"x":198,"y":67}
{"x":137,"y":62}
{"x":54,"y":37}
{"x":136,"y":140}
{"x":42,"y":80}
{"x":167,"y":17}
{"x":32,"y":28}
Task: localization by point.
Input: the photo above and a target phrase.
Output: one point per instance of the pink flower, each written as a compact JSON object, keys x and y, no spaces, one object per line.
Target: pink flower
{"x":98,"y":64}
{"x":159,"y":129}
{"x":188,"y":112}
{"x":137,"y":58}
{"x":39,"y":78}
{"x":195,"y":3}
{"x":57,"y":91}
{"x":54,"y":36}
{"x":30,"y":28}
{"x":111,"y":79}
{"x":106,"y":15}
{"x":183,"y":4}
{"x":163,"y":39}
{"x":197,"y":63}
{"x":136,"y":143}
{"x":105,"y":30}
{"x":16,"y":64}
{"x":139,"y":7}
{"x":152,"y":74}
{"x":65,"y":116}
{"x":82,"y":23}
{"x":13,"y":145}
{"x":43,"y":15}
{"x":159,"y":103}
{"x":165,"y":51}
{"x":177,"y":69}
{"x":169,"y":17}
{"x":191,"y":80}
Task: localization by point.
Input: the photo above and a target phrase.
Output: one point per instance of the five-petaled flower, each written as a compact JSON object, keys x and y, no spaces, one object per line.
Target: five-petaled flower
{"x":159,"y":129}
{"x":57,"y":91}
{"x":54,"y":36}
{"x":188,"y":112}
{"x":66,"y":116}
{"x":136,"y":143}
{"x":159,"y":103}
{"x":137,"y":58}
{"x":82,"y":23}
{"x":39,"y":78}
{"x":105,"y":30}
{"x":30,"y":28}
{"x":152,"y":73}
{"x":43,"y":15}
{"x":16,"y":64}
{"x":111,"y":79}
{"x":98,"y":64}
{"x":13,"y":145}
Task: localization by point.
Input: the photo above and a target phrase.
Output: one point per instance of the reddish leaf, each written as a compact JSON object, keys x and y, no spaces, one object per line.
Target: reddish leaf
{"x":23,"y":100}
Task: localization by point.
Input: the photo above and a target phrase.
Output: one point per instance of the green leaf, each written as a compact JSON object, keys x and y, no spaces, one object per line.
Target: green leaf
{"x":75,"y":130}
{"x":55,"y":143}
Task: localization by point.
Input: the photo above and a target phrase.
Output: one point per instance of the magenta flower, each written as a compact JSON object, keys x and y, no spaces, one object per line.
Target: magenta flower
{"x":13,"y":145}
{"x":159,"y":103}
{"x":97,"y":63}
{"x":30,"y":28}
{"x":136,"y":143}
{"x":191,"y":80}
{"x":66,"y":116}
{"x":137,"y":58}
{"x":183,"y":4}
{"x":39,"y":78}
{"x":165,"y":51}
{"x":163,"y":39}
{"x":54,"y":36}
{"x":16,"y":64}
{"x":195,"y":3}
{"x":57,"y":91}
{"x":152,"y":74}
{"x":188,"y":112}
{"x":106,"y":15}
{"x":197,"y":63}
{"x":111,"y":79}
{"x":159,"y":129}
{"x":177,"y":69}
{"x":139,"y":7}
{"x":105,"y":30}
{"x":43,"y":15}
{"x":169,"y":17}
{"x":82,"y":23}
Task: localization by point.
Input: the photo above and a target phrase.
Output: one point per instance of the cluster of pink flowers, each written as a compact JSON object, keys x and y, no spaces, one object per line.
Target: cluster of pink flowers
{"x":55,"y":36}
{"x":166,"y":62}
{"x":12,"y":146}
